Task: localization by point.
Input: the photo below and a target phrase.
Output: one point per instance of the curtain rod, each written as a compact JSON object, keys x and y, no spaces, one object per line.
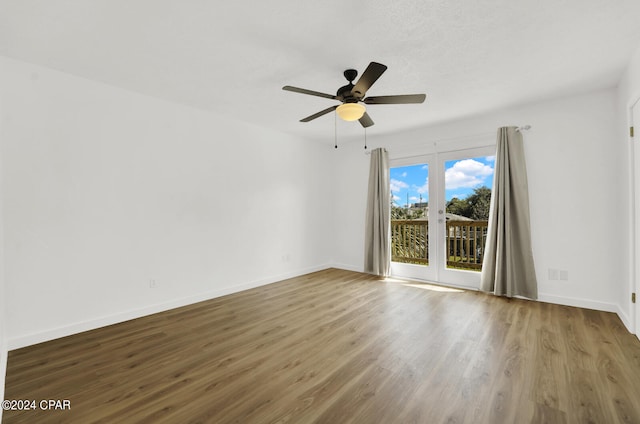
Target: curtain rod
{"x":519,"y":129}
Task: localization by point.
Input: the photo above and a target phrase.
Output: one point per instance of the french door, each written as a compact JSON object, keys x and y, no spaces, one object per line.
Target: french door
{"x":635,"y":120}
{"x":439,"y":212}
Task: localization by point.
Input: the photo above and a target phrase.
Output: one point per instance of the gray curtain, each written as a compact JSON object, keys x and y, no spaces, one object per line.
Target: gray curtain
{"x":377,"y":258}
{"x":507,"y":269}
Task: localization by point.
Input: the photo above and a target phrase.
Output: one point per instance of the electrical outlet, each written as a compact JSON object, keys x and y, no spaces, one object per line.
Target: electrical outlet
{"x":152,"y":284}
{"x":553,"y":274}
{"x":564,"y":275}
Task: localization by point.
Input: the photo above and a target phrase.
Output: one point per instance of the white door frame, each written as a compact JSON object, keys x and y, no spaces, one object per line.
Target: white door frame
{"x":449,"y":276}
{"x":421,"y":272}
{"x":437,"y":271}
{"x":634,"y":120}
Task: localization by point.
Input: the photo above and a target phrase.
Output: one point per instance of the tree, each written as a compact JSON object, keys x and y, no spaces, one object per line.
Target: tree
{"x":474,"y":206}
{"x":416,"y":213}
{"x":479,"y":203}
{"x":398,"y":213}
{"x":458,"y":207}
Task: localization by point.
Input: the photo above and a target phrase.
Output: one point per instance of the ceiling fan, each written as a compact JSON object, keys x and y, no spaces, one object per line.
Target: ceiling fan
{"x":352,"y":95}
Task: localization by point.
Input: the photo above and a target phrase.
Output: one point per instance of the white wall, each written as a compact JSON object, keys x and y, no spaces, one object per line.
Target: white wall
{"x":105,"y":190}
{"x":628,"y":93}
{"x":577,"y":179}
{"x":629,"y":86}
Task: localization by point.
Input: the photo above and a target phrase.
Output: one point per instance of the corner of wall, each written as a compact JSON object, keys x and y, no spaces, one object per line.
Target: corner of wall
{"x":628,"y":92}
{"x":347,"y":267}
{"x":626,"y":320}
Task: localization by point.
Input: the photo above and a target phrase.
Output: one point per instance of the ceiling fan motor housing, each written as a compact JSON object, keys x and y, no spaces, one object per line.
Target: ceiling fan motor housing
{"x":344,"y":92}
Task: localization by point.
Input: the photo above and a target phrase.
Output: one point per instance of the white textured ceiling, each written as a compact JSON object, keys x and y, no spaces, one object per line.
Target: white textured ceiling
{"x":233,"y":57}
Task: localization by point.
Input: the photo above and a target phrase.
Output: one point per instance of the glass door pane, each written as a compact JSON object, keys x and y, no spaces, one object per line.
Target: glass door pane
{"x":412,"y":254}
{"x":466,"y":187}
{"x":409,"y":214}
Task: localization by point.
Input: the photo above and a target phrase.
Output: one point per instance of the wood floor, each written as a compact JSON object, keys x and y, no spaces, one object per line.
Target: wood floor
{"x":340,"y":347}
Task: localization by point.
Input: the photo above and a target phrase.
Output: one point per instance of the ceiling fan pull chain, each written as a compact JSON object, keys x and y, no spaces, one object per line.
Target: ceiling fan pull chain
{"x":335,"y":133}
{"x":365,"y":138}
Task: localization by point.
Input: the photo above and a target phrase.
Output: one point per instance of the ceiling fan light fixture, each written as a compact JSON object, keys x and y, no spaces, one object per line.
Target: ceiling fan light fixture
{"x":351,"y":111}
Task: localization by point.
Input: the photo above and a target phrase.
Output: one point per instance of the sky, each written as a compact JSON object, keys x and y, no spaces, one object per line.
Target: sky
{"x":461,"y":177}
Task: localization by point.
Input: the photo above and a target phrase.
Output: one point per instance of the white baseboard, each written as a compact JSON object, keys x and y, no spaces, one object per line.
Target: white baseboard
{"x":348,"y":267}
{"x":626,"y":321}
{"x":591,"y":304}
{"x":580,"y":303}
{"x":92,"y":324}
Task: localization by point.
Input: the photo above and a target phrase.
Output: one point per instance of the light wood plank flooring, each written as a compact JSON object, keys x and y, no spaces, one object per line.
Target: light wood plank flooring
{"x":340,"y":347}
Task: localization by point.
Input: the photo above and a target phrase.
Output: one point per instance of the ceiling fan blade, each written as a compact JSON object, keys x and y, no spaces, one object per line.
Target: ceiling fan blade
{"x":366,"y":120}
{"x":395,"y":100}
{"x":369,"y":76}
{"x":310,"y":92}
{"x":319,"y":114}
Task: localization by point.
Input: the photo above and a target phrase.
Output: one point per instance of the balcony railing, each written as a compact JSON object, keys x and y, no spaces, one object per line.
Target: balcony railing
{"x":464,"y":241}
{"x":410,"y":241}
